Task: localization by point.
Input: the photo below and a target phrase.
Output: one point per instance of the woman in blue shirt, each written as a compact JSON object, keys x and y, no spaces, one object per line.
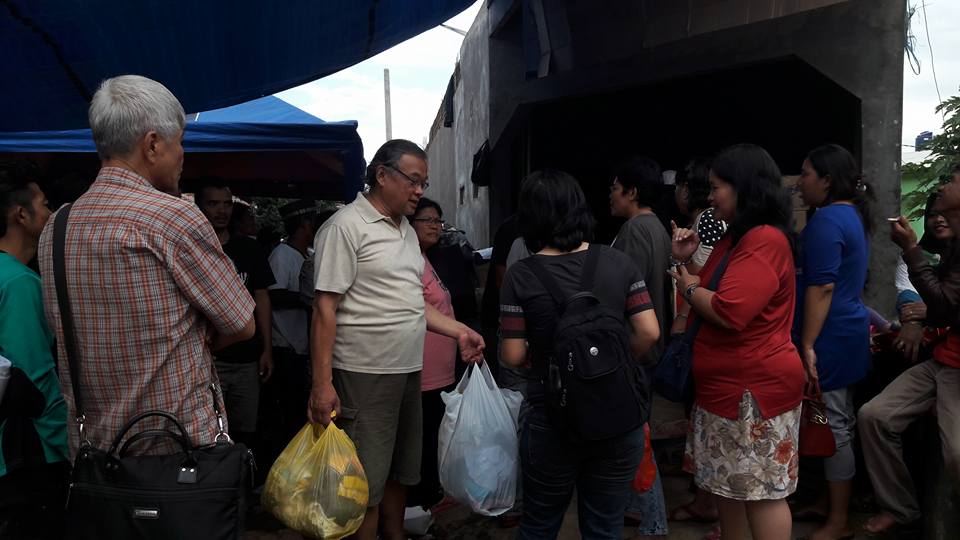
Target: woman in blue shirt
{"x":834,"y":335}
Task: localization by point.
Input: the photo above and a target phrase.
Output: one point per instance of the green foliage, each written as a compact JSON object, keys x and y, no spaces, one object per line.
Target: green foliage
{"x":945,"y":154}
{"x":267,"y":211}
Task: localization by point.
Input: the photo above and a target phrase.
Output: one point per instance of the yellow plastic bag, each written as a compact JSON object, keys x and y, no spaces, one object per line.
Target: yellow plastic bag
{"x":317,"y":486}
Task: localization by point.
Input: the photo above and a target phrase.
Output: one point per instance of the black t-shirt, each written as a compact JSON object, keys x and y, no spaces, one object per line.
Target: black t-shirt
{"x":647,"y":244}
{"x":509,"y":230}
{"x":527,"y":310}
{"x":254,"y":270}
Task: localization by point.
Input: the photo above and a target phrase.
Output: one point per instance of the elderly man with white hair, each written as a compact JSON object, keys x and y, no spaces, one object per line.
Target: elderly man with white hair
{"x":151,"y":290}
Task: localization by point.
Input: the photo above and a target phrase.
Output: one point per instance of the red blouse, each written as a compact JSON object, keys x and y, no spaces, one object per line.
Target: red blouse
{"x":756,"y":296}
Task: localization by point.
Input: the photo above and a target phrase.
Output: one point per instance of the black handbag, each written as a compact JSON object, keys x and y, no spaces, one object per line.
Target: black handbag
{"x":195,"y":493}
{"x":673,"y":377}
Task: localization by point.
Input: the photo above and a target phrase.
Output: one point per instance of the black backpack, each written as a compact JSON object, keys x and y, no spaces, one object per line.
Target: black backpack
{"x":594,"y":386}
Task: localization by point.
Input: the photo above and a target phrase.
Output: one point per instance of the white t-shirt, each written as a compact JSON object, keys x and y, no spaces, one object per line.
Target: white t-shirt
{"x":377,"y":266}
{"x":289,"y":325}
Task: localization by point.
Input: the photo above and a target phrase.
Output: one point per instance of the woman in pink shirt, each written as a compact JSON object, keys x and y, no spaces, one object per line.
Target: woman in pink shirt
{"x":439,"y":357}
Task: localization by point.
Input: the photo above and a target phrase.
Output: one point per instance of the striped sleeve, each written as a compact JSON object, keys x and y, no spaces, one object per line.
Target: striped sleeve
{"x":513,"y":323}
{"x":638,"y":298}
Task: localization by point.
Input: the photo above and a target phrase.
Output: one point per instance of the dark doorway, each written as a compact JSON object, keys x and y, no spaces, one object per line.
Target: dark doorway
{"x":786,"y":106}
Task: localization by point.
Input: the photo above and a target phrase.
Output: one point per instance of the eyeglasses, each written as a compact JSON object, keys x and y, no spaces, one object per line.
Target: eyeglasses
{"x":430,"y":221}
{"x":413,"y":183}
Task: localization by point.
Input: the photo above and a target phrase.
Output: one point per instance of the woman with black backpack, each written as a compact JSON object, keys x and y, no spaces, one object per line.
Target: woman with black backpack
{"x":581,"y":316}
{"x":747,"y":374}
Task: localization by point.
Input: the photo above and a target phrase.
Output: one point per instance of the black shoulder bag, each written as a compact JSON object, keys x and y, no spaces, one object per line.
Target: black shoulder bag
{"x":196,"y":493}
{"x":673,"y":377}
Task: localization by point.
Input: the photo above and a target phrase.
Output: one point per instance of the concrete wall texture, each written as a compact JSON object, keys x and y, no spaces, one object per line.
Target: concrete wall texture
{"x":592,"y":50}
{"x":451,"y":149}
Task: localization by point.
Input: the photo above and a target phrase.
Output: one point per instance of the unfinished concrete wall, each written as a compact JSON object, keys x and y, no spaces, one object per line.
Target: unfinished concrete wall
{"x":472,"y":124}
{"x":443,"y":170}
{"x":451,"y":149}
{"x":857,"y":44}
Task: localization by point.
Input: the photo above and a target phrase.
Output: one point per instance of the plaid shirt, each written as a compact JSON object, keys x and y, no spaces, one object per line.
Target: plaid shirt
{"x":147,"y":279}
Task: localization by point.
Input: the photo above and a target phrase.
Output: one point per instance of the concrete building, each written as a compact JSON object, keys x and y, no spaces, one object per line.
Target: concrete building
{"x":577,"y":85}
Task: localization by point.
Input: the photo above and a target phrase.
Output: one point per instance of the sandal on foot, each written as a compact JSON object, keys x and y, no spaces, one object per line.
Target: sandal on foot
{"x":692,"y":515}
{"x":872,"y":528}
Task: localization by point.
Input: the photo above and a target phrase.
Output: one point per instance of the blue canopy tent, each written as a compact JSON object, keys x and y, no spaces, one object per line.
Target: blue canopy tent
{"x":264,"y":147}
{"x":210,"y":54}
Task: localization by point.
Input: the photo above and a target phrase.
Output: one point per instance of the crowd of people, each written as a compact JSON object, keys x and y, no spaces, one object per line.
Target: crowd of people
{"x":177,"y":307}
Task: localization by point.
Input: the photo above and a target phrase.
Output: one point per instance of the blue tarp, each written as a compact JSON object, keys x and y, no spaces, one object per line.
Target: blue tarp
{"x":271,"y":110}
{"x":209,"y":53}
{"x":265,"y":130}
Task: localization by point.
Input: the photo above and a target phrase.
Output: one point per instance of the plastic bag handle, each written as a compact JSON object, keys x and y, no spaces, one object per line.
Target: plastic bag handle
{"x":492,"y":386}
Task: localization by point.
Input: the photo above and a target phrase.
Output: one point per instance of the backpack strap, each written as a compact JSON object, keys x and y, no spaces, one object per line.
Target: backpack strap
{"x":546,"y":279}
{"x":550,"y":284}
{"x":589,"y":268}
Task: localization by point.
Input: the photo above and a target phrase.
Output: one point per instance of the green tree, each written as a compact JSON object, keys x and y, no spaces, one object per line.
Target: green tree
{"x":945,"y":154}
{"x":267,"y":211}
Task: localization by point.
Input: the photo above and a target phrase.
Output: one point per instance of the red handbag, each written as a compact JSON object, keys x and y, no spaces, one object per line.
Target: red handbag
{"x":816,"y":437}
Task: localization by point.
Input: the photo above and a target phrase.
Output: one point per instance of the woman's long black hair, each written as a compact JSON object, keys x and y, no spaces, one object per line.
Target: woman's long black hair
{"x":846,"y":182}
{"x":761,"y":197}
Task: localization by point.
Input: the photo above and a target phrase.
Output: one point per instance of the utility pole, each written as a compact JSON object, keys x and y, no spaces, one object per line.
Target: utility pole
{"x":386,"y":99}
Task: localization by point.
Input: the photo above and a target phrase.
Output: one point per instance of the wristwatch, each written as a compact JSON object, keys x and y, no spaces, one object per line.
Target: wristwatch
{"x":688,"y":294}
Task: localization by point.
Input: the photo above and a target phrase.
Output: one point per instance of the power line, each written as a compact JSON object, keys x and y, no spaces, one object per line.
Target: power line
{"x":911,"y":41}
{"x":933,"y":67}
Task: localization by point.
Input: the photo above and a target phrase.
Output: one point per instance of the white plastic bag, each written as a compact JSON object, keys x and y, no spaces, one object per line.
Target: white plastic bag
{"x":478,"y":447}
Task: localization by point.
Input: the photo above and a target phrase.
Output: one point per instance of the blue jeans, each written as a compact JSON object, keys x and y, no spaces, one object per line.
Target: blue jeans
{"x":650,"y":508}
{"x":555,"y":462}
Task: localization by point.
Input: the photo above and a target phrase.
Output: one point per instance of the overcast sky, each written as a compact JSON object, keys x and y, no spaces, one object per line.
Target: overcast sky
{"x":420,"y":69}
{"x":919,"y":92}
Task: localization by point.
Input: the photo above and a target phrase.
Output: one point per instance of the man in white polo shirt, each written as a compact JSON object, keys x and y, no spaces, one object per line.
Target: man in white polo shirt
{"x":368,"y":329}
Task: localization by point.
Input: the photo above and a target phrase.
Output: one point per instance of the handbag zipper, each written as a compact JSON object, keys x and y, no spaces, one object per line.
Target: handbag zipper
{"x":158,"y":493}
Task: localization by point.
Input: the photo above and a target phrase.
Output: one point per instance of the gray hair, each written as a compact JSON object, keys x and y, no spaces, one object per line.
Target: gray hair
{"x":388,"y":155}
{"x":126,"y":108}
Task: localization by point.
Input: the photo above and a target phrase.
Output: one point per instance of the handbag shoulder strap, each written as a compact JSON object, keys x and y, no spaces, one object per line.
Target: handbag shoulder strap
{"x":718,"y":273}
{"x":66,"y":312}
{"x":714,"y":282}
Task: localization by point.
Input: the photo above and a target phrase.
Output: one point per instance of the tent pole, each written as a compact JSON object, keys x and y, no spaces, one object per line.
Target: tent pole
{"x":386,"y":99}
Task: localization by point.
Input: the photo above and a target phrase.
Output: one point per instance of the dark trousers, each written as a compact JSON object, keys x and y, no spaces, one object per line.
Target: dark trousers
{"x":555,"y":462}
{"x":283,"y":406}
{"x":32,"y":502}
{"x":428,"y":492}
{"x":291,"y":377}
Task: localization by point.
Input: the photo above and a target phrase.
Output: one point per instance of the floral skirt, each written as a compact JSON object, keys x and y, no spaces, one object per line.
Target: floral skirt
{"x":747,"y":459}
